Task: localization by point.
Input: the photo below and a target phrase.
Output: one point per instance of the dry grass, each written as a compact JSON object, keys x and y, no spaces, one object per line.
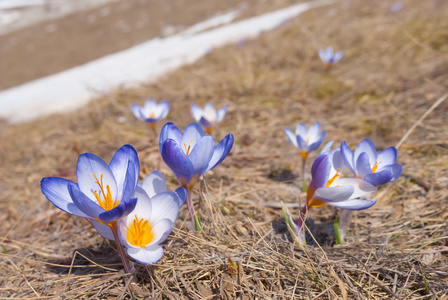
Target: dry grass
{"x":394,"y":68}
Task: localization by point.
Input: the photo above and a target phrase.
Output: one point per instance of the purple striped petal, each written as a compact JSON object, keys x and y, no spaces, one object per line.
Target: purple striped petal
{"x":162,"y":109}
{"x":334,"y":194}
{"x":177,"y":161}
{"x":169,"y":131}
{"x":221,"y":151}
{"x":102,"y":229}
{"x":347,"y":154}
{"x":387,"y":157}
{"x":201,"y":154}
{"x":154,"y":183}
{"x":196,"y":112}
{"x":363,"y":167}
{"x":292,"y":137}
{"x":84,"y":203}
{"x":123,"y":209}
{"x":126,"y":168}
{"x":147,"y":255}
{"x":221,"y":113}
{"x":367,"y":146}
{"x":204,"y":122}
{"x":164,"y":206}
{"x":320,"y":170}
{"x":56,"y":191}
{"x":182,"y":194}
{"x":354,"y":204}
{"x":191,"y":136}
{"x":137,"y":111}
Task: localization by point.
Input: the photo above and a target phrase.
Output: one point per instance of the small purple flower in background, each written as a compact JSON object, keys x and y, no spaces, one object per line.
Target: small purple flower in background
{"x":208,"y":117}
{"x":366,"y":163}
{"x":151,"y":112}
{"x":241,"y":42}
{"x":396,"y":7}
{"x":150,"y":223}
{"x":104,"y":193}
{"x":327,"y":56}
{"x":327,"y":187}
{"x":191,"y":154}
{"x":306,"y":140}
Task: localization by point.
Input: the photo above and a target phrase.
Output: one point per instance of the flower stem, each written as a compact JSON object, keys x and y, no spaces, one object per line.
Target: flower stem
{"x":302,"y":175}
{"x":190,"y":207}
{"x":300,"y":225}
{"x":341,"y":225}
{"x":124,"y":259}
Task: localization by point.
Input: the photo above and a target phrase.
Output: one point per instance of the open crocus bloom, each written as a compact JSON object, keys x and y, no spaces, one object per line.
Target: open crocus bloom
{"x":191,"y":154}
{"x":150,"y":223}
{"x":366,"y":163}
{"x":208,"y":116}
{"x":151,"y":112}
{"x":327,"y":56}
{"x":306,"y":140}
{"x":327,"y":186}
{"x":104,"y":193}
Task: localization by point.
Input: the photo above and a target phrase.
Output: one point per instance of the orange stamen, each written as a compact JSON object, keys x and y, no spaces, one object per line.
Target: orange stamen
{"x":140,"y":233}
{"x":108,"y":202}
{"x":329,"y":182}
{"x":187,"y":150}
{"x":375,"y":166}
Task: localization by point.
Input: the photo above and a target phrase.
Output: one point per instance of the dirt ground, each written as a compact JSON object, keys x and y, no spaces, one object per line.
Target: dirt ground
{"x":394,"y":71}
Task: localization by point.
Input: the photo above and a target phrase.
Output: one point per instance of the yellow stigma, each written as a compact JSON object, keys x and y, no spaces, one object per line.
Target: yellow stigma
{"x":187,"y":150}
{"x":329,"y":182}
{"x":107,"y":203}
{"x":139,"y":233}
{"x":375,"y":166}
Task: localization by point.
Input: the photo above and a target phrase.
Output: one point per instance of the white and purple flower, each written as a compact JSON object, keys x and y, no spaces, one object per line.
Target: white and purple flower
{"x":327,"y":56}
{"x":208,"y":117}
{"x":150,"y":223}
{"x":103,"y":193}
{"x":306,"y":140}
{"x":151,"y":112}
{"x":375,"y":168}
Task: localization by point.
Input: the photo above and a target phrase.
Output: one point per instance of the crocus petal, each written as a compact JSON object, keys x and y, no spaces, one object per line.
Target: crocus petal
{"x":191,"y":136}
{"x":347,"y":154}
{"x":209,"y":112}
{"x":137,"y":110}
{"x":396,"y":170}
{"x":301,"y":143}
{"x":327,"y":147}
{"x":56,"y":191}
{"x":169,"y":131}
{"x":301,"y":130}
{"x":161,"y":230}
{"x":147,"y":255}
{"x":154,"y":183}
{"x":123,"y":209}
{"x":143,"y":208}
{"x":337,"y":161}
{"x":149,"y":107}
{"x":182,"y":193}
{"x":323,"y":55}
{"x":196,"y":112}
{"x":313,"y":132}
{"x":204,"y":122}
{"x":102,"y":229}
{"x":221,"y":113}
{"x":379,"y":178}
{"x":363,"y":166}
{"x":367,"y":146}
{"x":84,"y":203}
{"x":126,"y":167}
{"x":201,"y":154}
{"x":292,"y":137}
{"x":221,"y":151}
{"x":318,"y":142}
{"x":361,"y":187}
{"x":177,"y":161}
{"x":354,"y":204}
{"x":387,"y":157}
{"x":334,"y":194}
{"x":162,"y":109}
{"x":338,"y":55}
{"x":164,"y":206}
{"x":320,"y":170}
{"x":89,"y":164}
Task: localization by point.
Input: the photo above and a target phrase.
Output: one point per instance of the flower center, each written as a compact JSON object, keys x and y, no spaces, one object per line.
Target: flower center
{"x":375,"y":166}
{"x":107,"y":203}
{"x":187,"y":149}
{"x":329,"y":182}
{"x":139,"y":233}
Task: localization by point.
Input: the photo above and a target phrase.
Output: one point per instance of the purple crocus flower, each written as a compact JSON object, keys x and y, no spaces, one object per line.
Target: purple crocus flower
{"x":208,"y":117}
{"x":103,"y":193}
{"x":150,"y":223}
{"x":327,"y":186}
{"x":306,"y":140}
{"x":191,"y":154}
{"x":327,"y":56}
{"x":366,"y":163}
{"x":151,"y":112}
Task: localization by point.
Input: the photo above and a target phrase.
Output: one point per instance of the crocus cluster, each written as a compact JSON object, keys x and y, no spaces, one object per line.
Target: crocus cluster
{"x":151,"y":112}
{"x":140,"y":216}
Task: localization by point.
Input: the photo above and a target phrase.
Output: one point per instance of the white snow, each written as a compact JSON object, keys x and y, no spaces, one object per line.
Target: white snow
{"x":73,"y":88}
